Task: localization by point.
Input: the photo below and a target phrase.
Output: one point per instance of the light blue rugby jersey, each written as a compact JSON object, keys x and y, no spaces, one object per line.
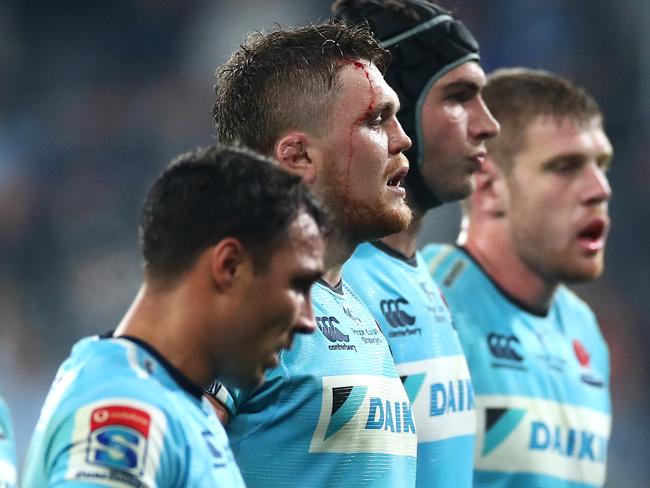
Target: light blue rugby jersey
{"x":119,"y":414}
{"x":541,"y":382}
{"x":419,"y":329}
{"x":333,"y":413}
{"x":8,"y":471}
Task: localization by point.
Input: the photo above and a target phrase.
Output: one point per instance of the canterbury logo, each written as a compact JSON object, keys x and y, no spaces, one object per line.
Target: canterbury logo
{"x":504,"y":346}
{"x":327,"y":326}
{"x":395,"y":316}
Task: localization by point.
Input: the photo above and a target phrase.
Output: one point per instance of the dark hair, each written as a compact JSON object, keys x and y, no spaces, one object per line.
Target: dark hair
{"x":287,"y":79}
{"x":426,"y":42}
{"x":206,"y":196}
{"x":518,"y":96}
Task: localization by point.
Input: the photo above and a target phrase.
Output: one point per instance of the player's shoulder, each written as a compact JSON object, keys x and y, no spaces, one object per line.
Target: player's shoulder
{"x":325,"y":296}
{"x":377,"y":269}
{"x":95,"y":437}
{"x":576,"y":312}
{"x":437,"y":250}
{"x":352,"y":300}
{"x":101,"y":370}
{"x":570,"y":300}
{"x":441,"y":258}
{"x":367,"y":265}
{"x":364,"y":252}
{"x":453,"y":268}
{"x":91,"y":357}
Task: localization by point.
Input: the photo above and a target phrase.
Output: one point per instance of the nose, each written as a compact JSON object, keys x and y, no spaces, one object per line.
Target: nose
{"x":398,"y":140}
{"x":597,"y":188}
{"x":483,"y":125}
{"x":305,"y":323}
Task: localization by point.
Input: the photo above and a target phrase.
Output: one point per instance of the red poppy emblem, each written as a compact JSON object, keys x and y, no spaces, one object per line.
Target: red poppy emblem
{"x":581,"y":353}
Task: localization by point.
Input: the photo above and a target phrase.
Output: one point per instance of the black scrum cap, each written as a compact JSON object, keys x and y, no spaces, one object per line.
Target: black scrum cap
{"x":426,"y":42}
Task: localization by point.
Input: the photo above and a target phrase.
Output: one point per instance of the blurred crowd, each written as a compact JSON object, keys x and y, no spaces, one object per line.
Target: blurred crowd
{"x":97,"y":97}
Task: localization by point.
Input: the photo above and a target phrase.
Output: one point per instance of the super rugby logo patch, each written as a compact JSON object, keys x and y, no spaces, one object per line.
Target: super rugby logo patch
{"x":116,"y":440}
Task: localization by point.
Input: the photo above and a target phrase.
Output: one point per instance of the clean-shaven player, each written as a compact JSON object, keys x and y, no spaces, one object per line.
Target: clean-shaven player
{"x":435,"y":70}
{"x":538,"y":219}
{"x":231,"y":246}
{"x":334,"y":412}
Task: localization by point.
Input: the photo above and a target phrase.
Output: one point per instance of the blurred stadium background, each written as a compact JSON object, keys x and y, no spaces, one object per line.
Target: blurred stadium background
{"x":96,"y":97}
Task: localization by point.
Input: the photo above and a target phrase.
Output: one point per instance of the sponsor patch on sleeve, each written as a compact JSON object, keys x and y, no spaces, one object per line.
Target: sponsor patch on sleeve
{"x":117,"y":441}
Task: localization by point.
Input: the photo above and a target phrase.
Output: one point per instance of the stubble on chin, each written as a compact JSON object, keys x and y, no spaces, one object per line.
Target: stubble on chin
{"x":577,"y":273}
{"x":362,"y":222}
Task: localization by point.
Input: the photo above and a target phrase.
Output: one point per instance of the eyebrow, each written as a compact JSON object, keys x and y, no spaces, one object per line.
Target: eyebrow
{"x":564,"y":157}
{"x":464,"y":85}
{"x":603,"y":159}
{"x":606,"y":159}
{"x":385,"y":107}
{"x":311,"y":276}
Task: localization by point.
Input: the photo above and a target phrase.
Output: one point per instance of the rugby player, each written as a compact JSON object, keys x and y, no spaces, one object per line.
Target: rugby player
{"x":537,"y":220}
{"x":435,"y":71}
{"x":334,"y":413}
{"x":231,"y":247}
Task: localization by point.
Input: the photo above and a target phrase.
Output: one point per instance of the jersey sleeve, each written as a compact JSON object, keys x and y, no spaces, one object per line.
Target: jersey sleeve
{"x":230,"y":398}
{"x":121,"y":442}
{"x":221,"y":394}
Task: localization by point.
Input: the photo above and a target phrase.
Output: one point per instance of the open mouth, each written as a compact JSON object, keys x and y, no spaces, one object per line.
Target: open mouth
{"x":479,"y":161}
{"x":592,"y":237}
{"x":397,"y":179}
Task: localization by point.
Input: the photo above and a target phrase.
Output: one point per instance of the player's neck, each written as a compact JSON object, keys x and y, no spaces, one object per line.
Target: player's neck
{"x":497,"y":257}
{"x":337,"y":251}
{"x":155,"y":319}
{"x":405,"y":242}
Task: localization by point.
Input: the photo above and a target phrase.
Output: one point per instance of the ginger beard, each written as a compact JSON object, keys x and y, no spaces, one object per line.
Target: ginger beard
{"x":361,"y":177}
{"x":363,"y":219}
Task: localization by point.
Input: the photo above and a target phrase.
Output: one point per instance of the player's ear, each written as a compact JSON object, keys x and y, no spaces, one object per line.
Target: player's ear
{"x":491,"y":193}
{"x":228,"y":261}
{"x":295,"y":153}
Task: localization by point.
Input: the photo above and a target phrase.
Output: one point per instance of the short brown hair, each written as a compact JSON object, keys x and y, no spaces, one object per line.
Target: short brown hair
{"x":287,"y":79}
{"x":518,"y":96}
{"x":214,"y":193}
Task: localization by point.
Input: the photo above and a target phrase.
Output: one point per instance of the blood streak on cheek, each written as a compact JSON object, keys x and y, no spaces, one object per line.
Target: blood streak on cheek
{"x":371,"y":106}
